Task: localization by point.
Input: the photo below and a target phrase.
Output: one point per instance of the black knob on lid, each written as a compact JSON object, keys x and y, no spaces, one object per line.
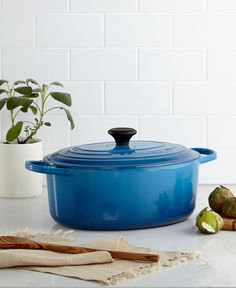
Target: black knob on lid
{"x":122,"y":135}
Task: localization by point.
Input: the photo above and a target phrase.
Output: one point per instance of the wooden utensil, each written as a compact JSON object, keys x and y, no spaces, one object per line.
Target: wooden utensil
{"x":229,"y":224}
{"x":14,"y":242}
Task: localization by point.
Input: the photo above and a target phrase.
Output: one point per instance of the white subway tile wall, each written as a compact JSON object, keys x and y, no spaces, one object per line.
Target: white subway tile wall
{"x":221,"y":132}
{"x":221,"y":64}
{"x":222,"y":6}
{"x":205,"y":98}
{"x":104,"y":6}
{"x":104,"y":64}
{"x":189,"y":131}
{"x":16,"y":30}
{"x":138,"y":30}
{"x":41,"y":64}
{"x":164,"y":67}
{"x":171,"y":64}
{"x":94,"y":128}
{"x":37,"y":6}
{"x":211,"y":31}
{"x":172,"y":6}
{"x":69,"y":30}
{"x":140,"y":98}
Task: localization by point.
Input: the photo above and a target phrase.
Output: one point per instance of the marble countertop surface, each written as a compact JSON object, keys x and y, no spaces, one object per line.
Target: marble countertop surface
{"x":216,"y":267}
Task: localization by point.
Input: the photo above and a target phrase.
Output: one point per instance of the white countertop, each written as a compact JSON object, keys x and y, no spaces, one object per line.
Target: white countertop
{"x":216,"y":268}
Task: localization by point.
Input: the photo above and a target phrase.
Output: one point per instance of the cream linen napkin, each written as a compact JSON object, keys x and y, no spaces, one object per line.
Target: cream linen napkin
{"x":25,"y":257}
{"x":107,"y":272}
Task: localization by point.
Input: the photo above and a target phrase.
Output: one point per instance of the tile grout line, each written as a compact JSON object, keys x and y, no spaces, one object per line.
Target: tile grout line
{"x":104,"y":98}
{"x":141,"y":13}
{"x":69,"y":137}
{"x":138,"y":6}
{"x":133,"y":48}
{"x":104,"y":29}
{"x":152,"y":81}
{"x":1,"y":75}
{"x":68,"y":6}
{"x":172,"y":99}
{"x":1,"y":60}
{"x":138,"y":125}
{"x":35,"y":30}
{"x":137,"y":59}
{"x":206,"y":6}
{"x":206,"y":130}
{"x":172,"y":31}
{"x":69,"y":63}
{"x":1,"y":125}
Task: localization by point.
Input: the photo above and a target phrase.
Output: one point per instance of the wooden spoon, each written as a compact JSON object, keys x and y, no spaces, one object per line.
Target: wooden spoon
{"x":15,"y":242}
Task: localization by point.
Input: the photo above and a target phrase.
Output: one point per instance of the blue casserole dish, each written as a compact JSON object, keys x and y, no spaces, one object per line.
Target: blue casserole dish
{"x":123,"y":184}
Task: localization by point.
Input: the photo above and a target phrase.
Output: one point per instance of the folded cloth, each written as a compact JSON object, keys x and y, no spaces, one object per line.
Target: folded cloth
{"x":26,"y":257}
{"x":107,"y":272}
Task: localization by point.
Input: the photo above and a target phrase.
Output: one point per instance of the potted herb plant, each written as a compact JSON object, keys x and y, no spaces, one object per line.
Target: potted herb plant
{"x":21,"y":99}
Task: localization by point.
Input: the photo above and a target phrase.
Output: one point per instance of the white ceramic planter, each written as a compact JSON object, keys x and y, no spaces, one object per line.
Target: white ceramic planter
{"x":15,"y":180}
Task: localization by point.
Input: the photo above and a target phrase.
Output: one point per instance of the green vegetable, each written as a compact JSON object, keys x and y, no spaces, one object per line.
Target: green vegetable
{"x":209,"y":222}
{"x":217,"y":197}
{"x":229,"y":207}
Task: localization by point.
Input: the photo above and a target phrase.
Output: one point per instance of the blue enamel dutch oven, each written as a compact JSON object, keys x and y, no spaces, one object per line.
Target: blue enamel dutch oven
{"x":122,"y":185}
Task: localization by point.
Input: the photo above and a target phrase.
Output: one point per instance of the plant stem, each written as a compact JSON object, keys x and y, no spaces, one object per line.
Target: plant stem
{"x":41,"y":111}
{"x":9,"y":94}
{"x":35,"y":103}
{"x":28,"y":122}
{"x":14,"y":118}
{"x":51,"y":109}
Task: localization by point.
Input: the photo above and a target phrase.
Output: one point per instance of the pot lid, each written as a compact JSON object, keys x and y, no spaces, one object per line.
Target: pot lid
{"x":122,"y":153}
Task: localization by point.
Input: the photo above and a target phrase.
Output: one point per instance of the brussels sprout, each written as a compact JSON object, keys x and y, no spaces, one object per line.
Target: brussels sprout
{"x":217,"y":197}
{"x":209,"y":222}
{"x":229,"y":207}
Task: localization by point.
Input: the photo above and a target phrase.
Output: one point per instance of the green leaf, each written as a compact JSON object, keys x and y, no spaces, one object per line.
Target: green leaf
{"x":64,"y":98}
{"x":56,"y":84}
{"x":24,"y":90}
{"x":24,"y":109}
{"x":14,"y":102}
{"x":37,"y":90}
{"x":3,"y":102}
{"x":47,"y":124}
{"x":19,"y":82}
{"x":33,"y":95}
{"x":69,"y":117}
{"x":2,"y":81}
{"x":33,"y":109}
{"x":14,"y":131}
{"x":3,"y":91}
{"x":30,"y":80}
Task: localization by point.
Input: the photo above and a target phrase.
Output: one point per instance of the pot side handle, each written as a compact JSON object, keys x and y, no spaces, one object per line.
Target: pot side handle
{"x":44,"y":168}
{"x":210,"y":154}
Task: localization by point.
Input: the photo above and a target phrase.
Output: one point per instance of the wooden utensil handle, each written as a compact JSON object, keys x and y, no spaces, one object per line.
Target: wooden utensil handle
{"x":229,"y":224}
{"x":115,"y":254}
{"x":14,"y":242}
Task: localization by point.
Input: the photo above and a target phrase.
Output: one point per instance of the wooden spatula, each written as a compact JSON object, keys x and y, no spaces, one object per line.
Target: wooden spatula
{"x":229,"y":224}
{"x":14,"y":242}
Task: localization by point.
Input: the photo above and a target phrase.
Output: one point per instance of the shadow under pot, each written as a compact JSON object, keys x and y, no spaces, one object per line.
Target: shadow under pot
{"x":123,"y":184}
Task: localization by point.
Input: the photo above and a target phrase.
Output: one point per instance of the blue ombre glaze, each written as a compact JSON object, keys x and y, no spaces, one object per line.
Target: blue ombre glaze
{"x":132,"y":185}
{"x":123,"y":198}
